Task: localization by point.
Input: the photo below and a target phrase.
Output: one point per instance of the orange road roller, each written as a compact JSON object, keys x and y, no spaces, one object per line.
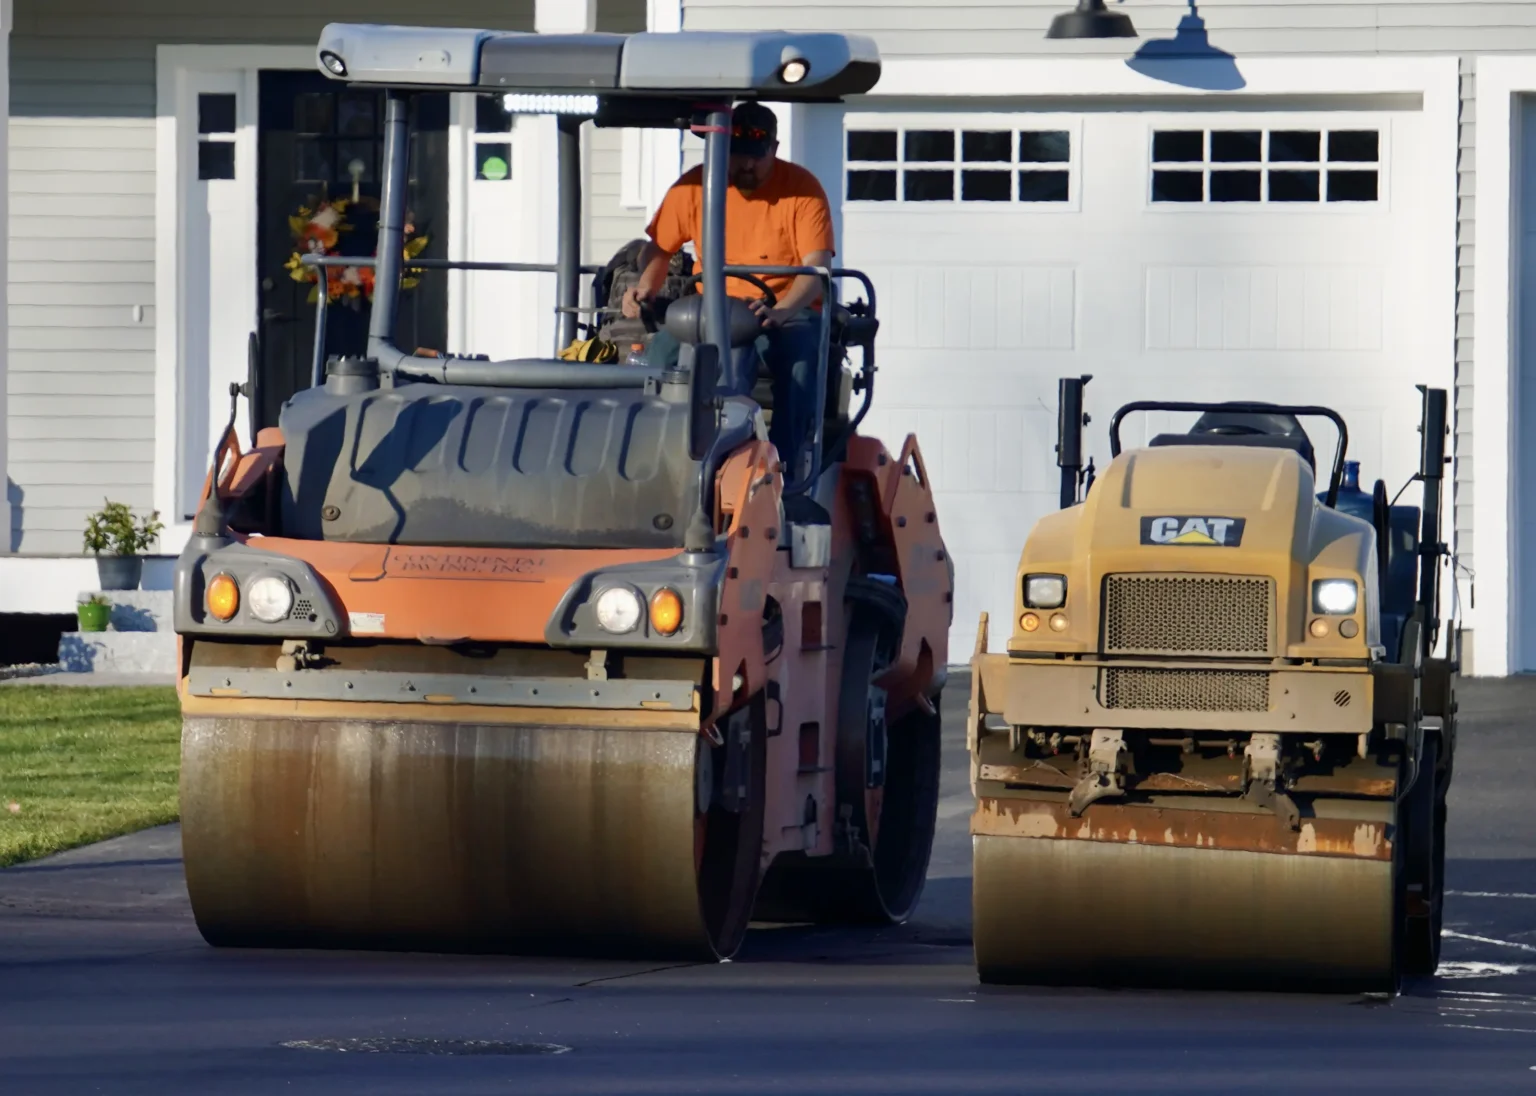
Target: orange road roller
{"x":561,"y":655}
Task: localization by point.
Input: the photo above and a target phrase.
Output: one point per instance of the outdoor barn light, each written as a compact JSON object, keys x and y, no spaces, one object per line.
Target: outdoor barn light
{"x":1091,"y":20}
{"x":549,"y":104}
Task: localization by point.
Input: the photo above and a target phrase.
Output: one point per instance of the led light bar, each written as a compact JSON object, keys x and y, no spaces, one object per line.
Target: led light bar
{"x":516,"y":103}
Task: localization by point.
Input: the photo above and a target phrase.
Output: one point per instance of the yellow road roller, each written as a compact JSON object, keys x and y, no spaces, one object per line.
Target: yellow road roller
{"x":1217,"y":749}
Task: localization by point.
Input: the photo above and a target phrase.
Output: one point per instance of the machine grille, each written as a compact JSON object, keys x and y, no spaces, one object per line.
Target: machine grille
{"x":1186,"y":690}
{"x":1187,"y":615}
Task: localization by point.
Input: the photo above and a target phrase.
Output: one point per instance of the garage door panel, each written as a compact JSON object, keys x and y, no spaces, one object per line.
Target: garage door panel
{"x":938,"y":306}
{"x":996,"y":522}
{"x":983,"y":449}
{"x":1264,"y":308}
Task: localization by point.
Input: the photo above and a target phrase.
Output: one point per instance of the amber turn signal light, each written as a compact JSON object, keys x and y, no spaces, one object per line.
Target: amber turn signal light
{"x":223,"y":597}
{"x":1029,"y":622}
{"x":1319,"y":629}
{"x":666,"y":612}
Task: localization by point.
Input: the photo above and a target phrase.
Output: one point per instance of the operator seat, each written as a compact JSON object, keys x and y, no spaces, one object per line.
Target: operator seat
{"x":1249,"y":429}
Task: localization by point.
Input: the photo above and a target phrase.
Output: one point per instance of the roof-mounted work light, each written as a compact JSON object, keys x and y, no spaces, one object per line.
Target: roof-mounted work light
{"x":1091,"y":20}
{"x":333,"y":62}
{"x":516,"y":103}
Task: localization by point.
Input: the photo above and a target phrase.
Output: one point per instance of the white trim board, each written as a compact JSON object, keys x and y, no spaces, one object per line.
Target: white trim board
{"x":1495,"y":428}
{"x":176,"y":67}
{"x":182,"y":408}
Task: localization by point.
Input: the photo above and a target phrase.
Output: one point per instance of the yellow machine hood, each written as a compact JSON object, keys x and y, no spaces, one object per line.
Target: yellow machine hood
{"x":1201,"y":511}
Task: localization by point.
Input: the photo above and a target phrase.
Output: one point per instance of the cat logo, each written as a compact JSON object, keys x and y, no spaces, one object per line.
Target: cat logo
{"x":1193,"y":532}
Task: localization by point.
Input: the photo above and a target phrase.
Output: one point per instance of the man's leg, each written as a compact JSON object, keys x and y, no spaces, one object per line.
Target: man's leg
{"x":663,"y":350}
{"x":791,"y":356}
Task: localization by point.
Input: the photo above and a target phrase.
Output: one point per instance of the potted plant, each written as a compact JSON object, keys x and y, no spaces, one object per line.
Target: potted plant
{"x":94,"y":613}
{"x":116,"y":538}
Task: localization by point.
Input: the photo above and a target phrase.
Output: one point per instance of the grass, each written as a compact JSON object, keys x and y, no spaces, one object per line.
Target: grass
{"x":82,"y":764}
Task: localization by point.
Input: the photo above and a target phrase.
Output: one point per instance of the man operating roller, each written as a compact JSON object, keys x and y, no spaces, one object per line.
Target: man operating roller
{"x":776,"y":214}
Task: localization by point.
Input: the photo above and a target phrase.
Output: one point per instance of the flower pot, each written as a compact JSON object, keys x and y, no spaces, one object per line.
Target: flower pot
{"x":120,"y":572}
{"x":93,"y":618}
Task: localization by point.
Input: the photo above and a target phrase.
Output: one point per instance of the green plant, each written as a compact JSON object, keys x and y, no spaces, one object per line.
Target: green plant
{"x":113,"y":528}
{"x":94,"y":613}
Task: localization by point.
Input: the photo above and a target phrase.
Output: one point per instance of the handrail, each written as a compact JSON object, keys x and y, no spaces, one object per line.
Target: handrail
{"x":441,"y":264}
{"x":1244,"y":408}
{"x":828,"y":276}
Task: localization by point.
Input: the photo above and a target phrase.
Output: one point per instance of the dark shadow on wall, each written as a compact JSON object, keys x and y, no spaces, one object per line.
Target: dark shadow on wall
{"x":13,"y":495}
{"x":1188,"y":59}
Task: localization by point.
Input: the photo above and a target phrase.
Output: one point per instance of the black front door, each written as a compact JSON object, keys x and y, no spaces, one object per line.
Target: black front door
{"x":321,"y":150}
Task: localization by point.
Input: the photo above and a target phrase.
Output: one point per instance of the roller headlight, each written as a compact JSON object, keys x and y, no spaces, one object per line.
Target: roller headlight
{"x":1045,"y":591}
{"x":269,"y":599}
{"x":794,"y":71}
{"x":1335,"y":596}
{"x":223,"y":597}
{"x":618,"y":610}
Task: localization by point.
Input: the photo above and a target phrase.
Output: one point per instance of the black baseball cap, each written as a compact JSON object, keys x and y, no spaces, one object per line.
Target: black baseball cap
{"x":754,"y":128}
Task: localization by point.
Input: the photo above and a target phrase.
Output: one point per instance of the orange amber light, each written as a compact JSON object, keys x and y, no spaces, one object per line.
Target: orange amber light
{"x":666,"y":611}
{"x":1029,"y":622}
{"x":223,"y":597}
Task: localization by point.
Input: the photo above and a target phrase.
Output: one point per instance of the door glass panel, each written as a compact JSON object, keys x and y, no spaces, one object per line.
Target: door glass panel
{"x":877,"y":145}
{"x":362,"y":155}
{"x":1045,"y":147}
{"x":872,"y":186}
{"x":314,"y":112}
{"x":356,"y":116}
{"x":928,"y":186}
{"x":981,"y":146}
{"x":986,"y":186}
{"x":930,"y":145}
{"x":312,"y":160}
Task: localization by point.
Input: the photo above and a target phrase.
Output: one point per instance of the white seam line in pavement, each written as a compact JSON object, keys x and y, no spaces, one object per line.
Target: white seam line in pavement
{"x":1490,"y":894}
{"x":1488,"y":940}
{"x":1479,"y":1027}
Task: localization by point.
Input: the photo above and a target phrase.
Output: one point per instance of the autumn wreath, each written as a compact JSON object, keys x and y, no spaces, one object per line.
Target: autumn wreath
{"x":317,"y":230}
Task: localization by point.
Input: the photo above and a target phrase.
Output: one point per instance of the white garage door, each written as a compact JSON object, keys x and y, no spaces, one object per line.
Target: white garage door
{"x":1261,"y":255}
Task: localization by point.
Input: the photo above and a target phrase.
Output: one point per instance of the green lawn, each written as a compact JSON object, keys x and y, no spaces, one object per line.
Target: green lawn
{"x":80,"y":764}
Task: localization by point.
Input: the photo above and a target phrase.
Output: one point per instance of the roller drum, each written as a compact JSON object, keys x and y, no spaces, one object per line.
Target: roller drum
{"x":460,"y":837}
{"x":1081,"y":912}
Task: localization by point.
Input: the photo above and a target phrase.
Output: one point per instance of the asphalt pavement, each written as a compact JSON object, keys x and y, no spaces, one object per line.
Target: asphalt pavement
{"x":106,"y":986}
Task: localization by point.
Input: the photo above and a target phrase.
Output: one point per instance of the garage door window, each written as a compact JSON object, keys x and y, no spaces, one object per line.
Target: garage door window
{"x":1200,"y":166}
{"x":968,"y":166}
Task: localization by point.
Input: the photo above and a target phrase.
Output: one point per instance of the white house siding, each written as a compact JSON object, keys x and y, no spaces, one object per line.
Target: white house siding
{"x":81,"y":267}
{"x":610,"y":224}
{"x":996,"y":28}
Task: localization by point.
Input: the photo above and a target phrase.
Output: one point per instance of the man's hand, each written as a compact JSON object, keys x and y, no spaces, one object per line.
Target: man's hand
{"x":768,"y":317}
{"x":653,"y":272}
{"x":635,"y":296}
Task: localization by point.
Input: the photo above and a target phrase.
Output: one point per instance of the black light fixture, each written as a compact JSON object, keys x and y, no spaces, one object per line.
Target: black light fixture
{"x":1091,"y":20}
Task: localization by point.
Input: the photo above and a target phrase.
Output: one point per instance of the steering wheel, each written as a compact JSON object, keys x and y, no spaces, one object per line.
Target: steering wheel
{"x":770,"y":298}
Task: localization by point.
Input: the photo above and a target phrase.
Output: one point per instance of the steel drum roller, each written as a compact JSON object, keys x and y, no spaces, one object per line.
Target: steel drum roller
{"x":1103,"y":913}
{"x":460,"y":837}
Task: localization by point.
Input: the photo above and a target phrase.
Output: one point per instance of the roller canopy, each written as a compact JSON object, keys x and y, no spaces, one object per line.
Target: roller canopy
{"x":611,"y":66}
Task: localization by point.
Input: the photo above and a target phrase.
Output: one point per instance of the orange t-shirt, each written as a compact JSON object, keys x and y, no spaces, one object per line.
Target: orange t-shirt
{"x":778,"y":224}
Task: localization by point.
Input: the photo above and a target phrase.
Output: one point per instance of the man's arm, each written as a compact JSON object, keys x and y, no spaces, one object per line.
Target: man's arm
{"x":653,"y":272}
{"x":803,"y":292}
